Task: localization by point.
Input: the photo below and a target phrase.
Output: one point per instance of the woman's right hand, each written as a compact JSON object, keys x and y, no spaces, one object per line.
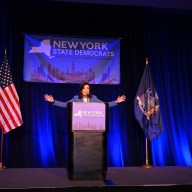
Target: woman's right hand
{"x":49,"y":98}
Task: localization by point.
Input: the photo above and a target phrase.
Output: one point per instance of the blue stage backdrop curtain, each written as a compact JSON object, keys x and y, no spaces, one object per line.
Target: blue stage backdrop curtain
{"x":4,"y":28}
{"x":170,"y":62}
{"x":162,"y":35}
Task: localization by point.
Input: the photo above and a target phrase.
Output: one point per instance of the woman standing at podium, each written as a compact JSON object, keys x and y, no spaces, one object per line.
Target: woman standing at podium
{"x":84,"y":95}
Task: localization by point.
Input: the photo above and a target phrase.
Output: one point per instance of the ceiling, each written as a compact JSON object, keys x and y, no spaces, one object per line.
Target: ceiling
{"x":173,"y":4}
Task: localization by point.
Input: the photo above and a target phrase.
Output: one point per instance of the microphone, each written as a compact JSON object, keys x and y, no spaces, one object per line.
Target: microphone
{"x":87,"y":95}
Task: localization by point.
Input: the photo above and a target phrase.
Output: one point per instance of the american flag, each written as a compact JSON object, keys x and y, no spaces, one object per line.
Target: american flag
{"x":10,"y":113}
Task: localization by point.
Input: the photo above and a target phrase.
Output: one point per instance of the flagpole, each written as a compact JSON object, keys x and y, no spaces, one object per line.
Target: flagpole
{"x":147,"y":165}
{"x":1,"y":155}
{"x":1,"y":152}
{"x":147,"y":110}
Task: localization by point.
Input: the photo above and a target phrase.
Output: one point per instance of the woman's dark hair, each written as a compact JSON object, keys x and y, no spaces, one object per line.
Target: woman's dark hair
{"x":82,"y":87}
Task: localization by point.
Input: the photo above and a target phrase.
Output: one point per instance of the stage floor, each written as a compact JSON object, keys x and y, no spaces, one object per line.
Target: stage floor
{"x":116,"y":176}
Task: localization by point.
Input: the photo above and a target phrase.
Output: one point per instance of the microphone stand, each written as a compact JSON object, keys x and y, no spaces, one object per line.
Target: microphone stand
{"x":87,"y":98}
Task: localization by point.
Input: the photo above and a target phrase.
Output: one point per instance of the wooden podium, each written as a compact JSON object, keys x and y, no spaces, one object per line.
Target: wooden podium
{"x":87,"y":145}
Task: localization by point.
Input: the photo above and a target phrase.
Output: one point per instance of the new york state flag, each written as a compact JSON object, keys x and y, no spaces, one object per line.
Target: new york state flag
{"x":147,"y":106}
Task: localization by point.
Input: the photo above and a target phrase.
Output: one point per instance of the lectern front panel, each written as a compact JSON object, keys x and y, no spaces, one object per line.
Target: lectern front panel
{"x":87,"y":141}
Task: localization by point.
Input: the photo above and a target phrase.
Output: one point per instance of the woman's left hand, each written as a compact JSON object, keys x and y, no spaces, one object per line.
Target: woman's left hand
{"x":121,"y":99}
